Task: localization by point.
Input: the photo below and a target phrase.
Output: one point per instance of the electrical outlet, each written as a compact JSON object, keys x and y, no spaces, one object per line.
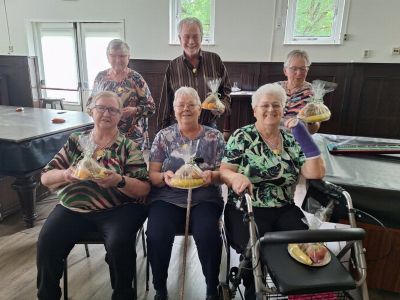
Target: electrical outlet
{"x":396,"y":51}
{"x":10,"y":49}
{"x":367,"y":53}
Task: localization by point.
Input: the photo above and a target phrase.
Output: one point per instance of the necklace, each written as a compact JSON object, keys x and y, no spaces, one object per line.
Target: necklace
{"x":275,"y":147}
{"x":101,"y":150}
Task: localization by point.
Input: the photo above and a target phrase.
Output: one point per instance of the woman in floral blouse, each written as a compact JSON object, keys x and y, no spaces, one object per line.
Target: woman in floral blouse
{"x":267,"y":161}
{"x":129,"y":85}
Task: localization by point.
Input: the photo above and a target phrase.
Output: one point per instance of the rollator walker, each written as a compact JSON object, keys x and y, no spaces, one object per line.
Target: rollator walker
{"x":279,"y":276}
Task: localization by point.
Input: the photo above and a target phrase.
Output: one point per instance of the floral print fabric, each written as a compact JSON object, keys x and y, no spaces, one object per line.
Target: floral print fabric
{"x":133,"y":92}
{"x":167,"y":149}
{"x":273,"y":176}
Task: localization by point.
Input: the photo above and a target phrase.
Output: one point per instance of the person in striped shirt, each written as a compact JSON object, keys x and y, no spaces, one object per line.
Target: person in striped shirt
{"x":110,"y":205}
{"x":194,"y":68}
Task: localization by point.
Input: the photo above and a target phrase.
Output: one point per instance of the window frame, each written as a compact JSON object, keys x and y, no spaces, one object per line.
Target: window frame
{"x":338,"y":28}
{"x":174,"y":19}
{"x":80,"y":30}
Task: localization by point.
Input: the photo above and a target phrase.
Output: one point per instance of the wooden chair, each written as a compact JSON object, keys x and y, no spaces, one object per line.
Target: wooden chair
{"x":96,"y":238}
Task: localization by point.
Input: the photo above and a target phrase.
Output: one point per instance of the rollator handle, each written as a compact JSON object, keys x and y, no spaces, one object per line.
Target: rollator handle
{"x":239,"y":204}
{"x":327,"y":188}
{"x":310,"y":236}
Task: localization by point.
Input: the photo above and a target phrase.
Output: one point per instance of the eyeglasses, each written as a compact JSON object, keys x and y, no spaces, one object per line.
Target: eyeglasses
{"x":122,"y":56}
{"x":111,"y":110}
{"x":182,"y":106}
{"x":273,"y":106}
{"x":298,"y":69}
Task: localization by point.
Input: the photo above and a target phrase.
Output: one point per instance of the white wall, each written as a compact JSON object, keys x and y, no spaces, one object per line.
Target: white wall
{"x":245,"y":30}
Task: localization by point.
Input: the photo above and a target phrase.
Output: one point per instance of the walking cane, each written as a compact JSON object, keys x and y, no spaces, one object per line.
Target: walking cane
{"x":185,"y":244}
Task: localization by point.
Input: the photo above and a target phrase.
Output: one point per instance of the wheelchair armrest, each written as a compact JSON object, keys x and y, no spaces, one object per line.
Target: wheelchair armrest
{"x":309,"y":236}
{"x":327,"y":188}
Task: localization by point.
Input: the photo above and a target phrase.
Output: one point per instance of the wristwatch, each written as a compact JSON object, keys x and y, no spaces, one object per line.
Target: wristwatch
{"x":122,"y":183}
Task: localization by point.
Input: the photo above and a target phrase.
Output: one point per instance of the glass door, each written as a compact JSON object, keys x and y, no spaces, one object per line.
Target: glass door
{"x":71,"y":55}
{"x":94,"y":40}
{"x":58,"y":61}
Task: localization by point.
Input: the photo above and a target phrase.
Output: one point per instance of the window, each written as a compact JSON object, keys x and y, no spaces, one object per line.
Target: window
{"x":70,"y":56}
{"x":204,"y":10}
{"x":315,"y":21}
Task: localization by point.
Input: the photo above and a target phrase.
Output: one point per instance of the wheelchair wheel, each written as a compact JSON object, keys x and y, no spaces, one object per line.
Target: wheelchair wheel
{"x":223,"y":292}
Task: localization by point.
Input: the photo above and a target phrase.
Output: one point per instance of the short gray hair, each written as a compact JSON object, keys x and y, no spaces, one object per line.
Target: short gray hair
{"x":190,"y":20}
{"x":188,"y":91}
{"x":297,"y":53}
{"x":117,"y":44}
{"x":271,"y":89}
{"x":106,"y":94}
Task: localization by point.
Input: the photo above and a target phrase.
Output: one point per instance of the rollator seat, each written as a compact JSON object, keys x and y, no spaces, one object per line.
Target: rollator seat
{"x":291,"y":277}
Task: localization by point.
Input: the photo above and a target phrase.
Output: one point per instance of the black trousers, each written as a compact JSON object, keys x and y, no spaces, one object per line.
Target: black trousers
{"x":63,"y":228}
{"x":283,"y":218}
{"x":165,"y":220}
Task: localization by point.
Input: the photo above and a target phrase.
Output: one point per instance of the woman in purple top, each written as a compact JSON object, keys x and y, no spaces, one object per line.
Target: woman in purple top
{"x":167,"y":208}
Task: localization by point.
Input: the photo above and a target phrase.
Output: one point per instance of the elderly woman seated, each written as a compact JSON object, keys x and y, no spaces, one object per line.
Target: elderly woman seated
{"x":267,"y":161}
{"x":108,"y":204}
{"x":167,"y":209}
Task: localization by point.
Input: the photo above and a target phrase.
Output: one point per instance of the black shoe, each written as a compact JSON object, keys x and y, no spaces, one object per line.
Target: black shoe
{"x":160,"y":297}
{"x":214,"y":297}
{"x":250,"y":293}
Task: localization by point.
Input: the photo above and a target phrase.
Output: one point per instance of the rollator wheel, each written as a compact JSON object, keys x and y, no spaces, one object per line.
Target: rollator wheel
{"x":224,"y":292}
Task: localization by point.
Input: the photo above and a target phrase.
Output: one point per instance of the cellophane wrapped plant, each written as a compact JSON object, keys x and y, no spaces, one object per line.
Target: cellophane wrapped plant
{"x":88,"y":168}
{"x":212,"y":102}
{"x":315,"y":110}
{"x":189,"y":175}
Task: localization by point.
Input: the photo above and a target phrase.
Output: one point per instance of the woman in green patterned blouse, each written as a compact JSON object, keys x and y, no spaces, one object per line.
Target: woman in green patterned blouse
{"x":267,"y":161}
{"x":110,"y":205}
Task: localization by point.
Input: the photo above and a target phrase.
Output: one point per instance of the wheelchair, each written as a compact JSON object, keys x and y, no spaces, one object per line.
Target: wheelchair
{"x":279,"y":276}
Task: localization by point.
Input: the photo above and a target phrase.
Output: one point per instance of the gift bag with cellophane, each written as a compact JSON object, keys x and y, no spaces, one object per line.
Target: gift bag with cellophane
{"x":315,"y":110}
{"x":212,"y":102}
{"x":316,"y":251}
{"x":88,"y":168}
{"x":189,"y":175}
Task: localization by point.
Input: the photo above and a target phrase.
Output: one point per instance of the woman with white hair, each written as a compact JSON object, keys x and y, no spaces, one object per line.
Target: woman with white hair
{"x":267,"y":161}
{"x":167,"y":209}
{"x":129,"y":85}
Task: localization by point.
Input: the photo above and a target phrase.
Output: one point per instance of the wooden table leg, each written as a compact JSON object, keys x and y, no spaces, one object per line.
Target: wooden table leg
{"x":25,"y":187}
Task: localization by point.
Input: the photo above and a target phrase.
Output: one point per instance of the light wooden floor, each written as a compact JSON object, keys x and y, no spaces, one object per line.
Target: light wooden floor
{"x":89,"y":277}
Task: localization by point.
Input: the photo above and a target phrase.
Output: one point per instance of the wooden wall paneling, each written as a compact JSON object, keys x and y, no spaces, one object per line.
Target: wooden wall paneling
{"x":4,"y":100}
{"x":333,"y":100}
{"x":349,"y":122}
{"x":16,"y":68}
{"x":153,"y":73}
{"x":245,"y":74}
{"x":270,"y":72}
{"x":378,"y":108}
